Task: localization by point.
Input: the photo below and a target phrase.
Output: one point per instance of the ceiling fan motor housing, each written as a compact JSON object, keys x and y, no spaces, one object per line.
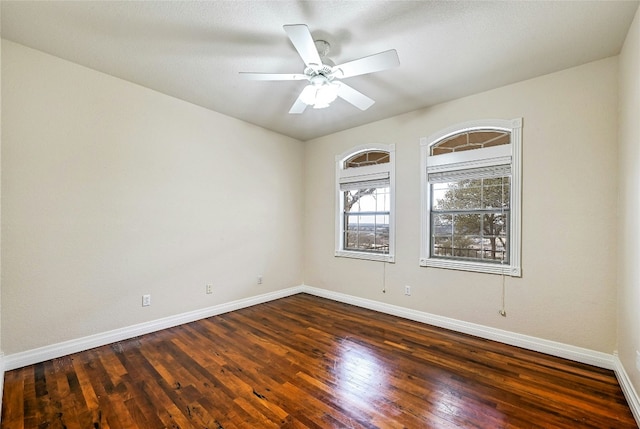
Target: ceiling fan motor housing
{"x":322,"y":69}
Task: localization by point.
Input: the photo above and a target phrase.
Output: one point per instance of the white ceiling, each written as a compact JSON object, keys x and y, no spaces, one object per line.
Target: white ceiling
{"x":194,"y":50}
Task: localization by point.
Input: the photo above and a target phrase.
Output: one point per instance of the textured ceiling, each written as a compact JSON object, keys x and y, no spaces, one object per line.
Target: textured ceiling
{"x":194,"y":50}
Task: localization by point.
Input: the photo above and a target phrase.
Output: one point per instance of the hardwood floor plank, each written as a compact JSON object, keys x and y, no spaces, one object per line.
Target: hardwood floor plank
{"x":307,"y":362}
{"x":13,"y":399}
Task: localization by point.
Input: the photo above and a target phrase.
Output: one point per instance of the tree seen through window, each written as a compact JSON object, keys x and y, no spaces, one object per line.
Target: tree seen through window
{"x":469,"y":219}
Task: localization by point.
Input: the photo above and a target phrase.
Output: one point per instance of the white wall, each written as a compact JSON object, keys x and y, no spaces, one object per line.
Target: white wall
{"x":111,"y":191}
{"x":629,"y":204}
{"x":568,"y":289}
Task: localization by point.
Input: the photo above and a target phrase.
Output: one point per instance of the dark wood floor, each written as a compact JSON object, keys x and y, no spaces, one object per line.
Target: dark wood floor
{"x":303,"y":361}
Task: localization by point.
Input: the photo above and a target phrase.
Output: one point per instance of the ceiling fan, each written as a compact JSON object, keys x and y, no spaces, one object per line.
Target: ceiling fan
{"x":323,"y":76}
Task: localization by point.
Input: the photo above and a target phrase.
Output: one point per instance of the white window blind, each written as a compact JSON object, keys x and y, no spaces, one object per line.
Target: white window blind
{"x":470,"y":173}
{"x":378,"y":180}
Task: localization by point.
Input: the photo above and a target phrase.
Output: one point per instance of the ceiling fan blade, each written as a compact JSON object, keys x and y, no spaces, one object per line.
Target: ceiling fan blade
{"x":373,"y":63}
{"x":300,"y":36}
{"x":298,"y":106}
{"x":354,"y":97}
{"x":273,"y":76}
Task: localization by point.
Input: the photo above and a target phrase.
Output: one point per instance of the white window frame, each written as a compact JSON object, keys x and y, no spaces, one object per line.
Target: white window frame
{"x":485,"y":157}
{"x":358,"y":174}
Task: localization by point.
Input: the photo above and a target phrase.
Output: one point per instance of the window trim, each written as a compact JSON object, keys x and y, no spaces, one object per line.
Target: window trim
{"x":496,"y":155}
{"x":357,"y":174}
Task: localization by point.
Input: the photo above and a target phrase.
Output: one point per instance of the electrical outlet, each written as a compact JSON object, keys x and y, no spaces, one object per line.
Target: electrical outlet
{"x":638,"y":360}
{"x":407,"y":290}
{"x":146,"y":300}
{"x":209,"y":289}
{"x":259,"y":280}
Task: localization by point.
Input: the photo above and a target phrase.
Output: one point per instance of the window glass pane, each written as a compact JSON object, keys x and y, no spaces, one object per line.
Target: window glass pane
{"x":494,"y":249}
{"x":467,"y":194}
{"x":367,"y":158}
{"x":469,"y":219}
{"x":382,"y":199}
{"x":467,"y":224}
{"x":460,"y":195}
{"x":440,"y":195}
{"x":494,"y":224}
{"x":506,"y":192}
{"x":495,"y":192}
{"x":366,"y":213}
{"x":382,"y":234}
{"x":367,"y":200}
{"x":466,"y":246}
{"x":470,"y":236}
{"x":442,"y":224}
{"x":495,"y":243}
{"x":382,"y":221}
{"x":471,"y":140}
{"x":367,"y":233}
{"x":442,"y":246}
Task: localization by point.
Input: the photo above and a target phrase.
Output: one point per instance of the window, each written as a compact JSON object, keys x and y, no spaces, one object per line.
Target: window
{"x":471,"y":197}
{"x":365,"y":203}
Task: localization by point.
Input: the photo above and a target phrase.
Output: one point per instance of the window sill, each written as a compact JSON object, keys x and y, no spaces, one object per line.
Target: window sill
{"x":478,"y":267}
{"x":365,"y":255}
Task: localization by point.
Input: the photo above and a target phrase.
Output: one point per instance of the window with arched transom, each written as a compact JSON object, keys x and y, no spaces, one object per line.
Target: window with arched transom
{"x":365,"y":188}
{"x":471,"y":182}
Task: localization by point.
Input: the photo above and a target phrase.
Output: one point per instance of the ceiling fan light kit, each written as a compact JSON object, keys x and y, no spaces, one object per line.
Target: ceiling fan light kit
{"x":322,"y":75}
{"x":319,"y":93}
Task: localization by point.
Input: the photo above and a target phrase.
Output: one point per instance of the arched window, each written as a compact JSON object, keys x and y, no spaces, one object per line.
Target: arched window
{"x":365,"y":188}
{"x":471,"y":181}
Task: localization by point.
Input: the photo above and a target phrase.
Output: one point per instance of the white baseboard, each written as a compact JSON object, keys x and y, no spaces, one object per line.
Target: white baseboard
{"x":627,"y":388}
{"x":578,"y":354}
{"x":553,"y":348}
{"x":30,"y":357}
